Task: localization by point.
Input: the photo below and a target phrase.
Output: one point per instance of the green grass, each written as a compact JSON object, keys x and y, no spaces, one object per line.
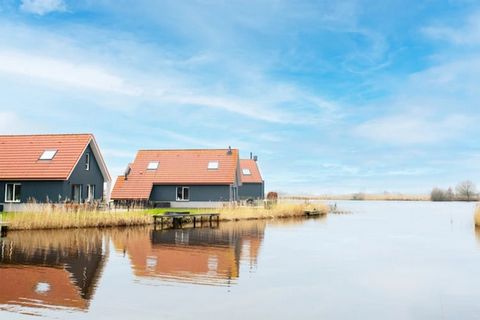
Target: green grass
{"x":164,"y":210}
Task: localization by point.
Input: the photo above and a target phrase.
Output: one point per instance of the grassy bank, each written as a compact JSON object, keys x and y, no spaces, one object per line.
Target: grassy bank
{"x":59,"y":219}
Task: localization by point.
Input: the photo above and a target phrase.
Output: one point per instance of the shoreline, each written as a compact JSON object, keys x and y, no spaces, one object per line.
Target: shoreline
{"x":45,"y":220}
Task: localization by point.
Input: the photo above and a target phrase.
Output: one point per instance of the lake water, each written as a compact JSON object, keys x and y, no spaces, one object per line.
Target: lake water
{"x":385,"y":260}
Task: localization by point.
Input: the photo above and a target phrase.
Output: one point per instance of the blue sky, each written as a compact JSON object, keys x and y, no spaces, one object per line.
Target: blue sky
{"x":333,"y":96}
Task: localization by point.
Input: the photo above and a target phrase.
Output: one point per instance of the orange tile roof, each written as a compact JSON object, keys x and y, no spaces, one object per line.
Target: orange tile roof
{"x":19,"y":287}
{"x":19,"y":155}
{"x":255,"y":176}
{"x":176,"y":167}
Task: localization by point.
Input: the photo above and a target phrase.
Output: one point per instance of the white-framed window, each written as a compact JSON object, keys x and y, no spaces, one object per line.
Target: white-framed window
{"x":13,"y":192}
{"x":246,"y":172}
{"x":183,"y":193}
{"x":212,"y":165}
{"x":87,"y":161}
{"x":48,"y":155}
{"x":77,"y":193}
{"x":152,"y":165}
{"x":90,"y":192}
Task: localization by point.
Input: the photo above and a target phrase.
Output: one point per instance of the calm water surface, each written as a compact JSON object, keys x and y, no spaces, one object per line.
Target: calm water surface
{"x":386,"y":260}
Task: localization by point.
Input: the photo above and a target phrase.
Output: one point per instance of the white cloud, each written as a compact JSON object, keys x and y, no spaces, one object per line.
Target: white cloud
{"x":63,"y":72}
{"x":413,"y":128}
{"x":42,"y":7}
{"x":11,"y":123}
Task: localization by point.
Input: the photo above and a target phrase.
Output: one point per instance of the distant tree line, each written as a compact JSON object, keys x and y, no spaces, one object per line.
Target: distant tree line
{"x":464,"y":191}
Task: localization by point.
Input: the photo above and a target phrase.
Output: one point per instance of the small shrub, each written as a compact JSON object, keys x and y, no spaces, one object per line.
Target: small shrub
{"x":438,"y":195}
{"x":358,"y":196}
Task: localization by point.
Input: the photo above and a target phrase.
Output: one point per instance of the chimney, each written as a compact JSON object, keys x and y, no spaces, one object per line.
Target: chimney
{"x":127,"y":172}
{"x":255,"y":158}
{"x":251,"y":155}
{"x":229,"y":152}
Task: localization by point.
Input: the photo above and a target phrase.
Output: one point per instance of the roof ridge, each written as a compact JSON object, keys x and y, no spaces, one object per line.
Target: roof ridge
{"x":205,"y":149}
{"x":46,"y":134}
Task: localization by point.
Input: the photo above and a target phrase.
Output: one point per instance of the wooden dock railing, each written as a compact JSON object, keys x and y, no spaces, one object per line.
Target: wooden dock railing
{"x":178,"y":218}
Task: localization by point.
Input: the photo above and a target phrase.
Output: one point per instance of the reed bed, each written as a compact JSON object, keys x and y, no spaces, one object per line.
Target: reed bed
{"x":281,"y":210}
{"x":48,"y":217}
{"x":79,"y":219}
{"x":476,"y":217}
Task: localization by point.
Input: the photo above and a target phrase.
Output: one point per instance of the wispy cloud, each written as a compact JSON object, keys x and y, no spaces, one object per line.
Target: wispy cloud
{"x":413,"y":128}
{"x":12,"y":123}
{"x":63,"y":72}
{"x":466,"y":33}
{"x":249,"y":92}
{"x":42,"y":7}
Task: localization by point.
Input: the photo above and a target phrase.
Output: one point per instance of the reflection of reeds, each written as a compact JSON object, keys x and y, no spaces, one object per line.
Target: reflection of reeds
{"x":84,"y":240}
{"x":81,"y":219}
{"x":476,"y":216}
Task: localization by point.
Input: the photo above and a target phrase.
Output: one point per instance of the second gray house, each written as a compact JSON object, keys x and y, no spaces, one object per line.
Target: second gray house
{"x":181,"y":178}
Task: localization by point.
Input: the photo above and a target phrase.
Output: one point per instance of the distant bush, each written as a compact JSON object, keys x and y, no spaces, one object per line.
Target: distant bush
{"x":358,"y":196}
{"x":438,"y":194}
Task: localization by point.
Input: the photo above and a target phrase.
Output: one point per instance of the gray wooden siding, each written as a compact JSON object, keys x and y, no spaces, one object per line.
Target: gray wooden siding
{"x":197,"y":193}
{"x":251,"y":191}
{"x":81,"y":176}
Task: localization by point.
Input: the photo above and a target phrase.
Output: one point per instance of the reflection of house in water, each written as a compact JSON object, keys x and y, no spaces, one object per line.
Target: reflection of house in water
{"x":51,"y":268}
{"x":202,"y":256}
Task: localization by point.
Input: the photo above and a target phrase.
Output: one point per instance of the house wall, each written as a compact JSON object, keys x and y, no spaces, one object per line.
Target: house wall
{"x":81,"y":176}
{"x":38,"y":190}
{"x":251,"y":191}
{"x":197,"y":193}
{"x":56,"y":191}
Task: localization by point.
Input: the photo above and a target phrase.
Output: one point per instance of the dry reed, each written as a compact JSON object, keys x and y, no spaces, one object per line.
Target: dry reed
{"x":280,"y":210}
{"x":476,"y":216}
{"x":80,"y":219}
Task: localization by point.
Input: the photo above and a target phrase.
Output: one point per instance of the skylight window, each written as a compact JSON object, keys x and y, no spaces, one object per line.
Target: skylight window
{"x":213,"y":165}
{"x":48,"y":154}
{"x":246,"y":172}
{"x":152,"y":165}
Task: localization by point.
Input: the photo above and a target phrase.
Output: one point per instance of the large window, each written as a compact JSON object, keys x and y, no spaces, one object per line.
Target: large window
{"x":183,"y":193}
{"x":90,"y":192}
{"x":12,"y":192}
{"x":87,"y":161}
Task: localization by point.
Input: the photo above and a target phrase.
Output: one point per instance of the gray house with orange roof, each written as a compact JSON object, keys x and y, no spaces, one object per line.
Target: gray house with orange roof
{"x":50,"y":168}
{"x":181,"y":178}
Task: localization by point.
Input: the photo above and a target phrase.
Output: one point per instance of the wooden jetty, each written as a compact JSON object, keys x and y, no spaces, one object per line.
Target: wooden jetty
{"x":178,"y":218}
{"x":314,"y":213}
